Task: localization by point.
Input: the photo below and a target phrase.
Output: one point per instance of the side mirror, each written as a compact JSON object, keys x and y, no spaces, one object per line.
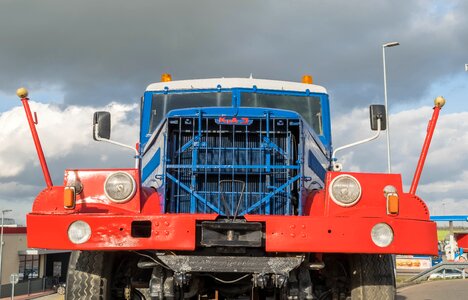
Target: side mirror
{"x":377,"y":112}
{"x":101,"y":125}
{"x":377,"y":115}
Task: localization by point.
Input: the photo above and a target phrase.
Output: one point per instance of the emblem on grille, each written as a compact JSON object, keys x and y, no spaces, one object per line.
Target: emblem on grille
{"x":233,"y":121}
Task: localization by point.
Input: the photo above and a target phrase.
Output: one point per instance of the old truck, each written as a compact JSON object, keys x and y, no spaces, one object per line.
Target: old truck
{"x":236,"y":193}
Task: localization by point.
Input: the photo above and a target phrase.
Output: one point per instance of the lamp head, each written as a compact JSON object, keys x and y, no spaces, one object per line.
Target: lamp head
{"x":22,"y":92}
{"x":439,"y":101}
{"x":391,"y":44}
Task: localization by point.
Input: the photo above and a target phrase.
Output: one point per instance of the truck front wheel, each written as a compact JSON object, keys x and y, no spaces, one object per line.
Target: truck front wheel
{"x":372,"y":277}
{"x":89,"y":274}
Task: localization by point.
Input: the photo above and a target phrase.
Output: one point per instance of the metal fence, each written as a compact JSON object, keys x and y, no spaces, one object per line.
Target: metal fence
{"x":29,"y":286}
{"x":439,"y":268}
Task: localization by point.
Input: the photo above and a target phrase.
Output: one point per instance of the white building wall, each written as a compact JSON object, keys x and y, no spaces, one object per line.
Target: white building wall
{"x":13,"y":242}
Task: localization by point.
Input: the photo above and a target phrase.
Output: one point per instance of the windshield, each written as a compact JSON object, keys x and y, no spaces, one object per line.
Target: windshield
{"x":309,"y":107}
{"x":163,"y":103}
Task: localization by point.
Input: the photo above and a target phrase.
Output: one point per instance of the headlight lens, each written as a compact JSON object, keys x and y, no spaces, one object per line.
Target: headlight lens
{"x":345,"y":190}
{"x":79,"y":232}
{"x":382,"y":234}
{"x":119,"y":187}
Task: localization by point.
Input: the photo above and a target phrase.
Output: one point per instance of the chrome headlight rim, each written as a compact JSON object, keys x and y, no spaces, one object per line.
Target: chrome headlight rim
{"x":85,"y":237}
{"x":382,"y":243}
{"x":337,"y":201}
{"x":130,"y":195}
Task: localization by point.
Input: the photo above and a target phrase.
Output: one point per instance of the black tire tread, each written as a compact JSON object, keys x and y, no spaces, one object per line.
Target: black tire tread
{"x":372,"y":277}
{"x":88,"y":276}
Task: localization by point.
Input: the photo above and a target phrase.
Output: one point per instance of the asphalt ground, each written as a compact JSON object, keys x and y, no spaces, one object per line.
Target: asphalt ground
{"x":455,"y":289}
{"x":53,"y":297}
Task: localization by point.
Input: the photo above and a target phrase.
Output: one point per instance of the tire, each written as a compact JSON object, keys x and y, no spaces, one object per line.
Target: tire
{"x":372,"y":277}
{"x":89,"y":274}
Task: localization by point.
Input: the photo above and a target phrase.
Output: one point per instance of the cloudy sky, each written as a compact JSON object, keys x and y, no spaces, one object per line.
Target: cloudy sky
{"x":77,"y":57}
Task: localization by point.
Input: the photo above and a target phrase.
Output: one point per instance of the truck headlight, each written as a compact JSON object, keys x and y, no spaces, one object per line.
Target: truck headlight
{"x":345,"y":190}
{"x":382,"y":234}
{"x":119,"y":187}
{"x":79,"y":232}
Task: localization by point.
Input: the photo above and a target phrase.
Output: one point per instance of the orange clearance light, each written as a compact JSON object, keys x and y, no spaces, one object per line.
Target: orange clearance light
{"x":307,"y":79}
{"x":392,"y":203}
{"x":69,"y":197}
{"x":165,"y":77}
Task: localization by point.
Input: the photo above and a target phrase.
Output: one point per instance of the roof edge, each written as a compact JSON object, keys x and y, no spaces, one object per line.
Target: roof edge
{"x":214,"y":83}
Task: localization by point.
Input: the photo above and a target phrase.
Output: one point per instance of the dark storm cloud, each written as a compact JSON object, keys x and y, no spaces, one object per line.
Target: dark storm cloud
{"x":95,"y":52}
{"x":98,"y":51}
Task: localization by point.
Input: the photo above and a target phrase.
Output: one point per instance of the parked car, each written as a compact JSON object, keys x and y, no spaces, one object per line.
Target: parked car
{"x":447,"y":274}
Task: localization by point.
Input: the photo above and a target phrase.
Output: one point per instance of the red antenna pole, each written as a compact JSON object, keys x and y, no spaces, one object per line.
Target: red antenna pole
{"x":23,"y":94}
{"x":438,"y":102}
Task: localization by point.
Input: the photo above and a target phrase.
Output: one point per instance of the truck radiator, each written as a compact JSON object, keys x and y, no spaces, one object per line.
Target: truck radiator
{"x":217,"y":165}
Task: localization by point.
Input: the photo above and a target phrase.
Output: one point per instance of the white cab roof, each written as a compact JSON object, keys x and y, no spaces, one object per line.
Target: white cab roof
{"x":228,"y":83}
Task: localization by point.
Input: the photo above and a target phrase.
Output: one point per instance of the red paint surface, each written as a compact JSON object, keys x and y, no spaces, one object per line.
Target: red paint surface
{"x":113,"y":232}
{"x":93,"y":198}
{"x":346,"y":235}
{"x":425,"y":149}
{"x":283,"y":234}
{"x":372,"y":202}
{"x":462,"y":241}
{"x":37,"y":143}
{"x":325,"y":226}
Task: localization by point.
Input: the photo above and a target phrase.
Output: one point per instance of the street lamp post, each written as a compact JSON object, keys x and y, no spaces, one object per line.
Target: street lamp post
{"x":387,"y":45}
{"x":1,"y":245}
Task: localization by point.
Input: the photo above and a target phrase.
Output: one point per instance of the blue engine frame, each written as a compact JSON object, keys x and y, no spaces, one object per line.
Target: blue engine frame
{"x":310,"y":166}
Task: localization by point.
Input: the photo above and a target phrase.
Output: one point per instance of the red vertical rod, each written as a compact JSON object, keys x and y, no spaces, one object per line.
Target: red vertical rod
{"x":37,"y":142}
{"x":439,"y":102}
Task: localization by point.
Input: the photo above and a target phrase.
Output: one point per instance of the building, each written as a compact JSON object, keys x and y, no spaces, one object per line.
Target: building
{"x":30,"y":263}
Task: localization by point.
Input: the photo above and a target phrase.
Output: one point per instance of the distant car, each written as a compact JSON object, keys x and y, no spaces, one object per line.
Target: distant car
{"x":448,"y":274}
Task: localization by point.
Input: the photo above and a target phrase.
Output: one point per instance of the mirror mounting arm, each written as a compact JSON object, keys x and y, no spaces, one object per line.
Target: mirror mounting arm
{"x":98,"y":138}
{"x":337,"y":166}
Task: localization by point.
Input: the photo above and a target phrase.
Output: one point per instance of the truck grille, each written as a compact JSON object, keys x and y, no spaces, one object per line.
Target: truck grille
{"x":232,"y":169}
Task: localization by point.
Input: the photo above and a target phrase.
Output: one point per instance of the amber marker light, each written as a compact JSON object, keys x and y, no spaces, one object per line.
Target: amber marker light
{"x":391,"y":194}
{"x":307,"y":79}
{"x":69,"y":197}
{"x":165,"y":77}
{"x":392,"y":204}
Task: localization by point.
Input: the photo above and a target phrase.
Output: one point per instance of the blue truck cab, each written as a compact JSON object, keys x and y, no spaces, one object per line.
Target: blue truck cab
{"x":234,"y":146}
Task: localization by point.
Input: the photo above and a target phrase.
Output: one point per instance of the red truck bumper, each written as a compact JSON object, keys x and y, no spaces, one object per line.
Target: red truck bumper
{"x":282,"y":233}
